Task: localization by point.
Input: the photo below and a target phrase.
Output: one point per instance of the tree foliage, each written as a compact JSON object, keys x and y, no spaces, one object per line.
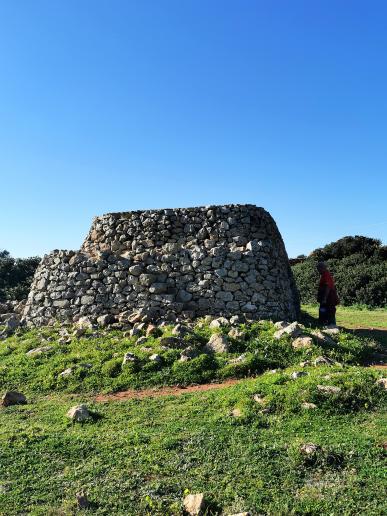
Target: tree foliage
{"x":359,"y":266}
{"x":16,"y":276}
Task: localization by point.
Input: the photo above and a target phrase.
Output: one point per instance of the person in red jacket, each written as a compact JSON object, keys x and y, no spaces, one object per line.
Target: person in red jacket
{"x":326,"y":296}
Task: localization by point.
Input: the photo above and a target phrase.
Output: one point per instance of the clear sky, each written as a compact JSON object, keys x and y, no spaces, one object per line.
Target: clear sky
{"x":116,"y":105}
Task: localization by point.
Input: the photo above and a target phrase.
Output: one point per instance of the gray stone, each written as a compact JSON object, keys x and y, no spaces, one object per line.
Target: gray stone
{"x":329,"y":389}
{"x":105,"y":320}
{"x":38,"y":351}
{"x":79,"y":413}
{"x":129,"y":357}
{"x":293,"y":330}
{"x":13,"y":398}
{"x":302,"y":342}
{"x":194,"y":504}
{"x":217,"y":344}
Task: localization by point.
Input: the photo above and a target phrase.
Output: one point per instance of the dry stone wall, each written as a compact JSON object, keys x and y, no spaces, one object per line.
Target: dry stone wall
{"x":220,"y":260}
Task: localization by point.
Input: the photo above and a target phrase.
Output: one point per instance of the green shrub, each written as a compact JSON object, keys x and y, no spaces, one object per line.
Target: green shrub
{"x":359,"y":267}
{"x":16,"y":275}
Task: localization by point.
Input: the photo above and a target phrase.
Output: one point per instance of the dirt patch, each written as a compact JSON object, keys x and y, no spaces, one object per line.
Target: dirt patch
{"x":163,"y":391}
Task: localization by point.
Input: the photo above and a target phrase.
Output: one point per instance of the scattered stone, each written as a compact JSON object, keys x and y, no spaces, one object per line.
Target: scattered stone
{"x":129,"y":357}
{"x":141,"y":340}
{"x":308,"y":406}
{"x":309,"y":448}
{"x":194,"y":504}
{"x":219,"y":322}
{"x":217,"y":344}
{"x":329,"y":389}
{"x":280,"y":325}
{"x":322,"y":339}
{"x":323,"y":361}
{"x":298,"y":374}
{"x":241,"y":514}
{"x":236,"y":319}
{"x":79,"y":413}
{"x":237,"y":334}
{"x":135,"y":317}
{"x":66,"y":372}
{"x":293,"y":330}
{"x":106,"y":320}
{"x":82,"y":501}
{"x":236,"y":412}
{"x":382,"y":382}
{"x":13,"y":398}
{"x":172,"y":342}
{"x":180,"y":330}
{"x":238,"y":360}
{"x":259,"y":399}
{"x":151,"y":330}
{"x":84,"y":323}
{"x":38,"y":351}
{"x":302,"y":342}
{"x":306,"y":363}
{"x":156,"y":358}
{"x":78,"y":332}
{"x":334,"y":330}
{"x":188,"y":354}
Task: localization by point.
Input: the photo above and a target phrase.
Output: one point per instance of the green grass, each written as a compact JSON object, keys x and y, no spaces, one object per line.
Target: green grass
{"x":96,"y":359}
{"x":141,"y":457}
{"x":364,"y":322}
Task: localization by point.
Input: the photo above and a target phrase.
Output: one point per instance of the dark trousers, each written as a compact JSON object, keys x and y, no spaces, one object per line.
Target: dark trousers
{"x":327,"y":314}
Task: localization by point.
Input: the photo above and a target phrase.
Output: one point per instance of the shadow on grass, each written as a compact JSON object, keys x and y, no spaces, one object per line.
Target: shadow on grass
{"x":377,"y":334}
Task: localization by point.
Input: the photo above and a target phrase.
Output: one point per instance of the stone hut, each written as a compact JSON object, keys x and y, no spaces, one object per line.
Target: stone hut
{"x":188,"y":262}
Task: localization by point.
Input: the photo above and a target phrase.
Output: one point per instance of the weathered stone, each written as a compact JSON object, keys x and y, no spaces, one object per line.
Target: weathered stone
{"x":329,"y":389}
{"x":180,"y":330}
{"x":302,"y":342}
{"x":105,"y":320}
{"x":66,"y":372}
{"x":13,"y":398}
{"x":308,"y":406}
{"x":194,"y":504}
{"x":217,"y":344}
{"x":129,"y":357}
{"x":171,"y":342}
{"x":156,"y":358}
{"x":293,"y":330}
{"x":309,"y":448}
{"x":38,"y":351}
{"x":297,"y":374}
{"x":219,"y":322}
{"x":382,"y":382}
{"x":79,"y":413}
{"x":323,"y":361}
{"x":166,"y":264}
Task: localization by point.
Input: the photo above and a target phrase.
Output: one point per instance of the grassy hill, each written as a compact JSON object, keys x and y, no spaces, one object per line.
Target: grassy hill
{"x":243,"y":446}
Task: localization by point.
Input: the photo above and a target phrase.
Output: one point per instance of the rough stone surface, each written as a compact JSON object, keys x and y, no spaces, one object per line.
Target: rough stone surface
{"x":194,"y":504}
{"x":329,"y":389}
{"x":216,"y":260}
{"x":79,"y":413}
{"x":13,"y":398}
{"x":217,"y":344}
{"x":302,"y":342}
{"x":294,"y":330}
{"x":38,"y":351}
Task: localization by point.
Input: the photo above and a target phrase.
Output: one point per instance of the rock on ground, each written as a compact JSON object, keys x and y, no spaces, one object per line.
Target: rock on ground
{"x":293,"y":330}
{"x":13,"y":398}
{"x":194,"y":504}
{"x":217,"y":344}
{"x":79,"y":413}
{"x":302,"y":342}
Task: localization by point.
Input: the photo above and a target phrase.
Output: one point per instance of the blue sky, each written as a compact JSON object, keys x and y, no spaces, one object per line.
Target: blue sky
{"x":115,"y":105}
